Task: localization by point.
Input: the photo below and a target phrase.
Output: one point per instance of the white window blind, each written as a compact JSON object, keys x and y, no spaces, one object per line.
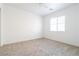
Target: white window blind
{"x":57,"y":23}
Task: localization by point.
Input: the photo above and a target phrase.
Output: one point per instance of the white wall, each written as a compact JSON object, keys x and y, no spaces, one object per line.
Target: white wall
{"x":0,"y":22}
{"x":20,"y":25}
{"x":71,"y":35}
{"x":0,"y":26}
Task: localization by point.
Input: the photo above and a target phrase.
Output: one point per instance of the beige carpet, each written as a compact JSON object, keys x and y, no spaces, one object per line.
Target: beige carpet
{"x":39,"y":47}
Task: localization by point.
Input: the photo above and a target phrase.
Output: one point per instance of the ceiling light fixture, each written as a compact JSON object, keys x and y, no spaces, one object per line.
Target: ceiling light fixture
{"x":45,"y":6}
{"x":50,"y":9}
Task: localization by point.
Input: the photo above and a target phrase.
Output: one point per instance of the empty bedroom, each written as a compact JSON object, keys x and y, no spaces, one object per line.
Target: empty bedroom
{"x":39,"y":29}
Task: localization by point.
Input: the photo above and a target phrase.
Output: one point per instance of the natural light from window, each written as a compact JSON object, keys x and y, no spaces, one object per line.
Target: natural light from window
{"x":57,"y":23}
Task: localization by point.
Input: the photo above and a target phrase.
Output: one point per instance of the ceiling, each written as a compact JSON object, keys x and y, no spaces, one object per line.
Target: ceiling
{"x":41,"y":8}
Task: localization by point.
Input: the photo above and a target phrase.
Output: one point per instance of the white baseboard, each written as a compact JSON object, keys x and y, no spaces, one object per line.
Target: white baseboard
{"x":19,"y":41}
{"x":63,"y":42}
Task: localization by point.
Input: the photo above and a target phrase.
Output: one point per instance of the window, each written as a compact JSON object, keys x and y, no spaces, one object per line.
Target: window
{"x":57,"y":23}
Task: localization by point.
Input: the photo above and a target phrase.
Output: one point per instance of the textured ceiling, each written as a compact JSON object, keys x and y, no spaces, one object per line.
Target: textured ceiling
{"x":41,"y":8}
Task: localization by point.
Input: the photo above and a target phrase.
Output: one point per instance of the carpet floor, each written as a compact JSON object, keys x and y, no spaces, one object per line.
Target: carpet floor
{"x":39,"y":47}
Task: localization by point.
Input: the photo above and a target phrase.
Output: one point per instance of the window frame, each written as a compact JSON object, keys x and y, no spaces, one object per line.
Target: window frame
{"x":57,"y":24}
